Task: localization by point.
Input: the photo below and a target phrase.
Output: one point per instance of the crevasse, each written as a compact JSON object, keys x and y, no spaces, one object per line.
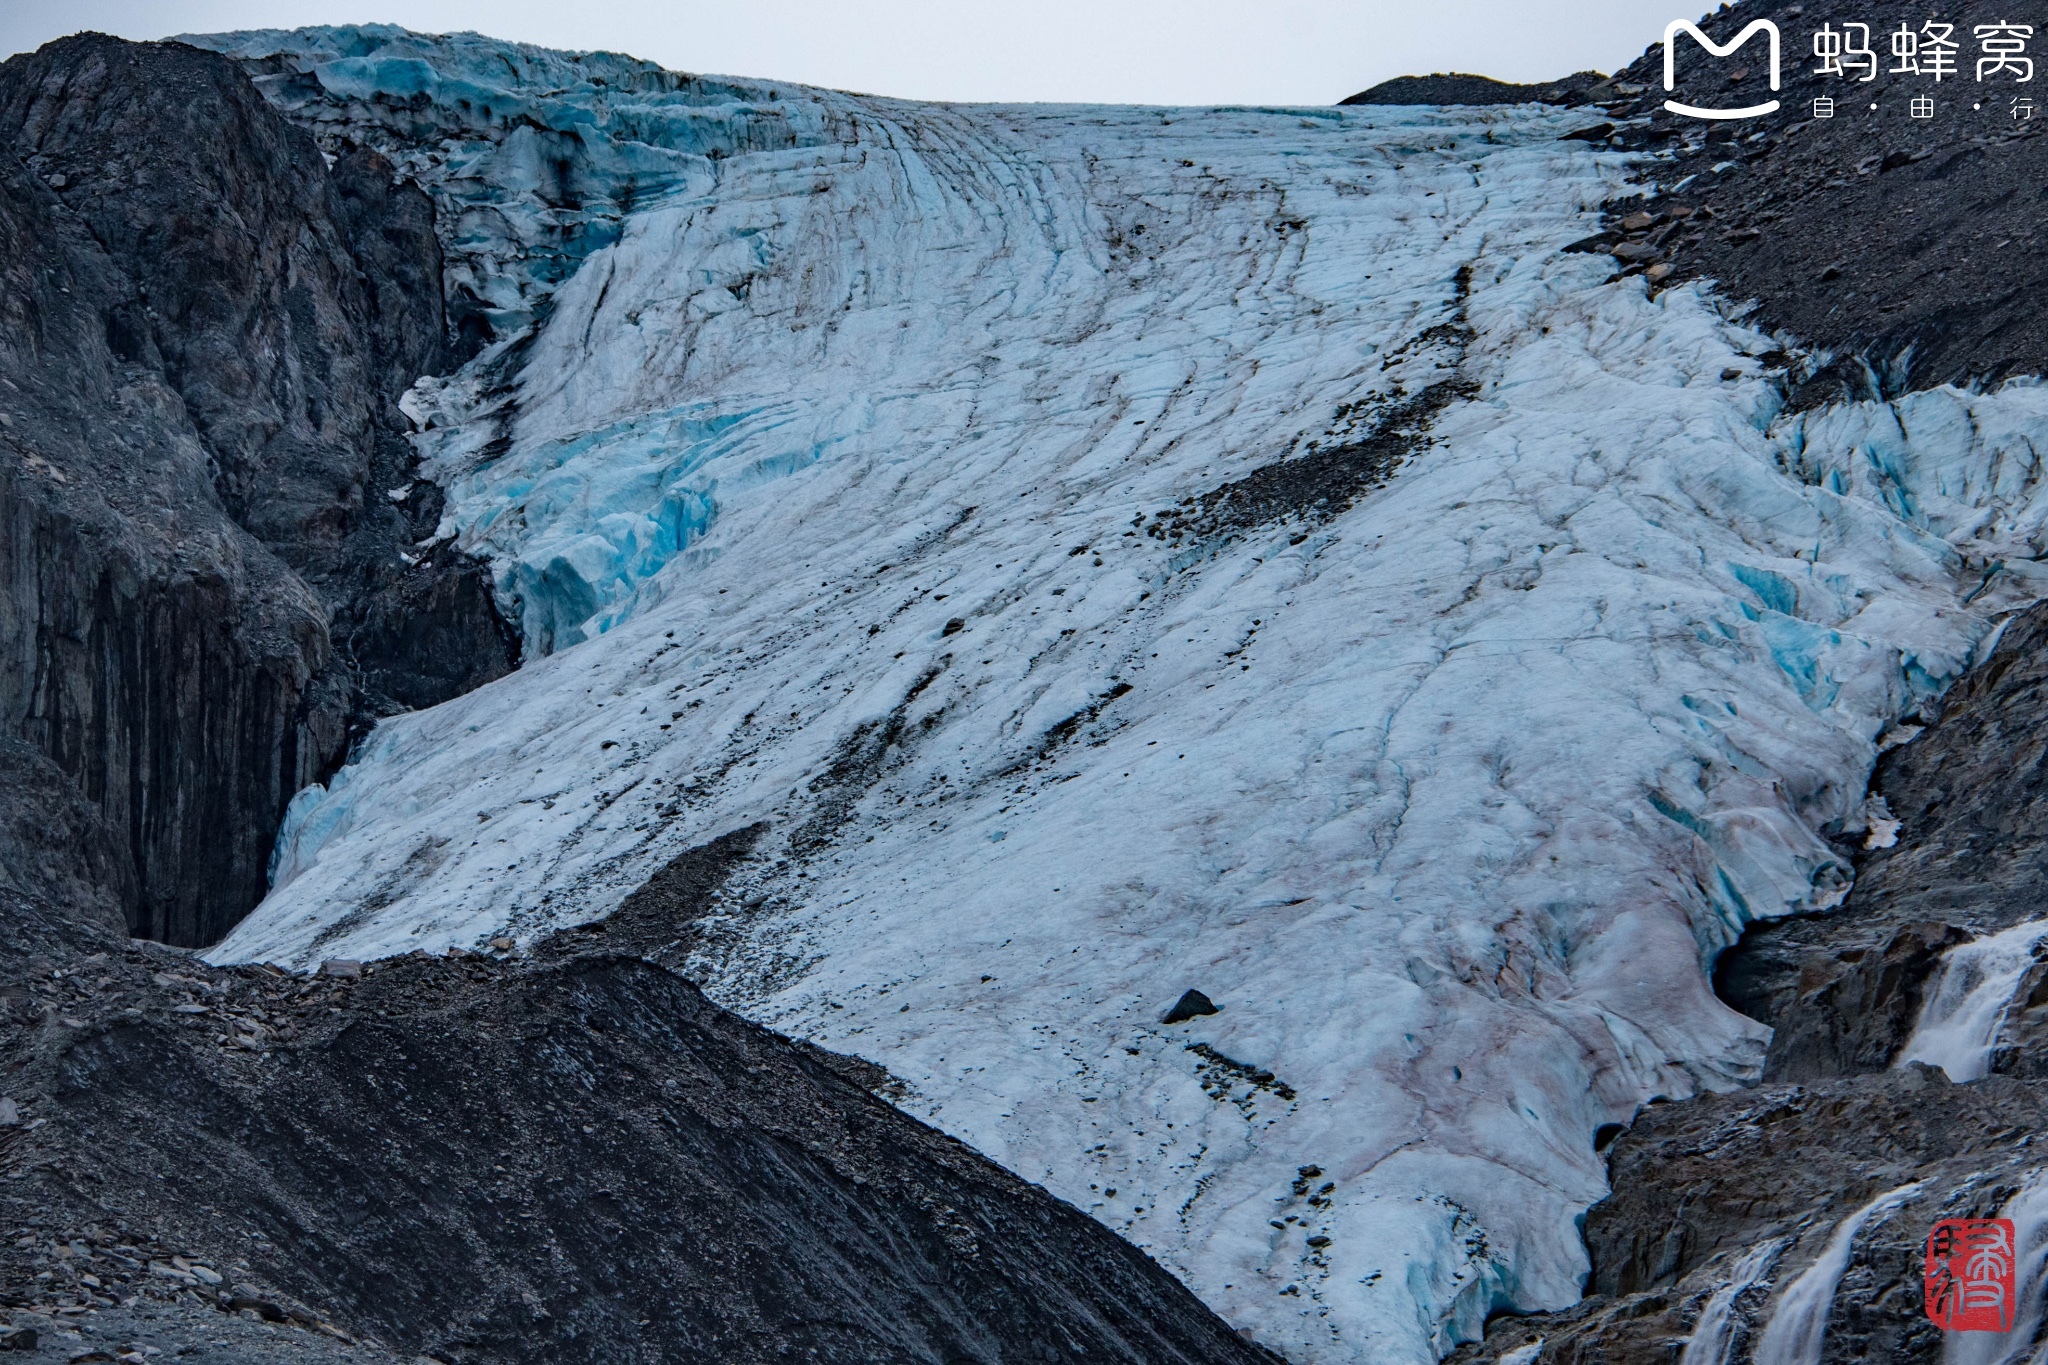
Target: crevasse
{"x":1445,"y":785}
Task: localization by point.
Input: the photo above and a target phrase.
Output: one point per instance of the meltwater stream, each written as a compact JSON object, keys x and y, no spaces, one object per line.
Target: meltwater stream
{"x":1798,"y":1327}
{"x":1963,"y":1013}
{"x":1714,"y":1333}
{"x":2028,"y":1211}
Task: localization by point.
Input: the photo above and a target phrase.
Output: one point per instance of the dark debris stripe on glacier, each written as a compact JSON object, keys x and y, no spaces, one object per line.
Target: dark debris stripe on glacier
{"x":1368,"y":440}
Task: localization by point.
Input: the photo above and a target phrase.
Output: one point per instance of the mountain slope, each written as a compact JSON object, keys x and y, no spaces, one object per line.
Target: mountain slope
{"x":572,"y":1156}
{"x":576,"y":1157}
{"x":1902,"y":252}
{"x":1120,"y":552}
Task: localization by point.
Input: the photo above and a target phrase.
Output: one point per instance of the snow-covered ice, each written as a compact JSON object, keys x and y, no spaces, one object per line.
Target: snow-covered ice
{"x":834,"y":485}
{"x":535,"y":156}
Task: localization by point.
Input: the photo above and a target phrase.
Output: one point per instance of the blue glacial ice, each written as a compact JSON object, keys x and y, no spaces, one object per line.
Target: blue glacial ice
{"x":829,"y":482}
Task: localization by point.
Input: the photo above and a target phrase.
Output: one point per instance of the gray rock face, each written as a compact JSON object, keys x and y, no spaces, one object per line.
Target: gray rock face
{"x":206,"y":334}
{"x":155,"y":653}
{"x":58,"y":851}
{"x":1701,"y":1184}
{"x":1971,"y":795}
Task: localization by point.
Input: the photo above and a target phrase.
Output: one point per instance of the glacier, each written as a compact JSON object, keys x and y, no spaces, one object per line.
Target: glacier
{"x":932,"y":485}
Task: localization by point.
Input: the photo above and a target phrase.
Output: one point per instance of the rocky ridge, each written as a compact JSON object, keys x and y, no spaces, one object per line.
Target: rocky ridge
{"x":1896,"y":253}
{"x":1581,"y":87}
{"x":561,"y":1155}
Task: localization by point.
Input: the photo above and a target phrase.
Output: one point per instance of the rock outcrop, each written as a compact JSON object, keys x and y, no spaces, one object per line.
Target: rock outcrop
{"x":1459,"y":88}
{"x":207,"y":578}
{"x":1903,"y":251}
{"x":207,"y":509}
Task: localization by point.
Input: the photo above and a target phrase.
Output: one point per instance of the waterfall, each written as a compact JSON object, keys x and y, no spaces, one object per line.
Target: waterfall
{"x":2029,"y":1213}
{"x":1799,"y":1324}
{"x":1961,"y":1017}
{"x":1715,"y":1331}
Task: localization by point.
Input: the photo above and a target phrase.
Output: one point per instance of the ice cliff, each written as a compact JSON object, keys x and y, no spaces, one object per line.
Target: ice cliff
{"x":1121,"y":551}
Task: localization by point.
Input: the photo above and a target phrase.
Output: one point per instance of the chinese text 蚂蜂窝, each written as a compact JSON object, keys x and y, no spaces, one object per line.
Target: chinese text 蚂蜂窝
{"x":1930,"y":50}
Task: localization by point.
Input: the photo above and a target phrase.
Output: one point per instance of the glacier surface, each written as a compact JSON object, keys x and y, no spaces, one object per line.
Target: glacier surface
{"x":910,"y":486}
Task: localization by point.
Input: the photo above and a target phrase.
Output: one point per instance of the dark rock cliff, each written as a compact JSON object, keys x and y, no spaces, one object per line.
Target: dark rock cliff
{"x":162,"y":659}
{"x":206,"y":333}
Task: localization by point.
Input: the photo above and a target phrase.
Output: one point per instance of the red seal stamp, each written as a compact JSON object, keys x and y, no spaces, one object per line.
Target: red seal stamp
{"x":1970,"y":1272}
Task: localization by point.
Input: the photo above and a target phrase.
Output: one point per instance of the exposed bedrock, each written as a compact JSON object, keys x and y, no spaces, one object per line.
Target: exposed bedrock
{"x":1773,"y":1174}
{"x":1971,"y":796}
{"x":1458,"y":88}
{"x":204,"y":333}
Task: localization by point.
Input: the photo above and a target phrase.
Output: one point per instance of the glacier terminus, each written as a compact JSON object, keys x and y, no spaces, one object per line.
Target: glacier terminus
{"x":1118,"y":551}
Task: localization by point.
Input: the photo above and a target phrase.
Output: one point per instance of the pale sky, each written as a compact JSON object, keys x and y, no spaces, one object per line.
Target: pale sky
{"x":1123,"y":51}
